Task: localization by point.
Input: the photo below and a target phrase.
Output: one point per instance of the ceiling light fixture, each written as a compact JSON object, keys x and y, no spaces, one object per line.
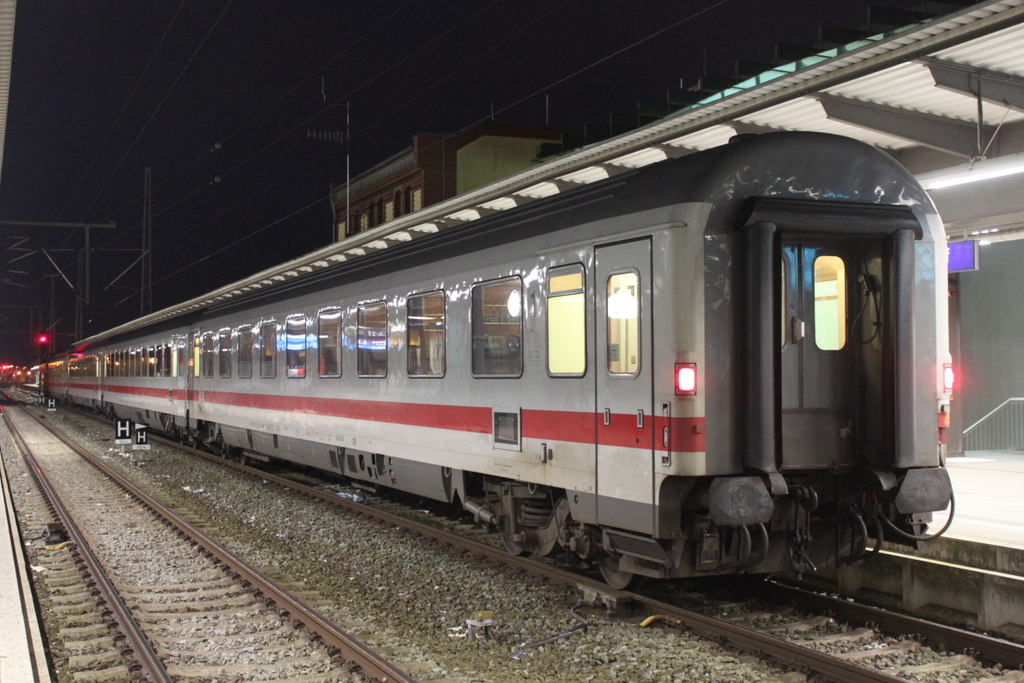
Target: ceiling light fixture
{"x":985,"y":169}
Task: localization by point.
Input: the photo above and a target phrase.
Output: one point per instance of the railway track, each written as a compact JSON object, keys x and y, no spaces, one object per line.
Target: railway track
{"x":817,"y":635}
{"x":173,"y":604}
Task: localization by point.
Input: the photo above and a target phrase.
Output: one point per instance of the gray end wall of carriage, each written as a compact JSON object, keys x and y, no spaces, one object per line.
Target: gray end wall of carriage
{"x":991,"y":331}
{"x":766,"y":166}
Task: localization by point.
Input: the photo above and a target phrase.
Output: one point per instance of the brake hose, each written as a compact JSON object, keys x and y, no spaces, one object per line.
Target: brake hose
{"x":931,"y":537}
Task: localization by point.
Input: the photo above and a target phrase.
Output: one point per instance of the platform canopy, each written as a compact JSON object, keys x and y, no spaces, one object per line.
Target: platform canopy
{"x":7,"y":8}
{"x":945,"y":96}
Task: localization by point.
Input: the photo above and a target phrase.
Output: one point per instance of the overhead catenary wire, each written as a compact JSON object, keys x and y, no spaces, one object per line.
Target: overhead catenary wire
{"x":334,"y":103}
{"x":218,"y":145}
{"x":406,"y":103}
{"x":579,"y":71}
{"x":124,"y":107}
{"x":210,"y":255}
{"x":152,"y":115}
{"x":398,"y":63}
{"x":159,"y":105}
{"x":451,"y":74}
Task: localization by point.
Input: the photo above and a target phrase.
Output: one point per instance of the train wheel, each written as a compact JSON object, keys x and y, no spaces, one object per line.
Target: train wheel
{"x":511,"y":546}
{"x":618,"y":580}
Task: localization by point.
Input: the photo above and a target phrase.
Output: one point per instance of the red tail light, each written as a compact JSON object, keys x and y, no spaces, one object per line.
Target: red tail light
{"x":948,"y":377}
{"x":686,"y":379}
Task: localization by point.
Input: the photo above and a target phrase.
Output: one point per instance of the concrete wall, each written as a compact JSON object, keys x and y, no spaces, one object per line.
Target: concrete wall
{"x":490,"y":158}
{"x":991,"y":331}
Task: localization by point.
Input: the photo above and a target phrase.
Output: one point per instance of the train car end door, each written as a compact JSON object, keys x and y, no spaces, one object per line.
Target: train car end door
{"x":625,"y":424}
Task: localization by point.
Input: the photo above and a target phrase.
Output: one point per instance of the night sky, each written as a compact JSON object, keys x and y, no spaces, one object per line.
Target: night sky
{"x":217,"y":98}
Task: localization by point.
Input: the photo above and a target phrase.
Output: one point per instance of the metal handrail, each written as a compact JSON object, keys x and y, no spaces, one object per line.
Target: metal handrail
{"x":993,"y":412}
{"x":1002,"y":428}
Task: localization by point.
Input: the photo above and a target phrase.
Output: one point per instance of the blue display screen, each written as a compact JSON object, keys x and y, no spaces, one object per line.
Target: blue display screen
{"x":963,"y":255}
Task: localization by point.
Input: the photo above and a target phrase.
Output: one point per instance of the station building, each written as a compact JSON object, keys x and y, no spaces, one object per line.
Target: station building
{"x":435,"y":168}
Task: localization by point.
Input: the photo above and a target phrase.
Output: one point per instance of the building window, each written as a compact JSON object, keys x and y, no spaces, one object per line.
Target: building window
{"x":425,"y":330}
{"x":295,"y":346}
{"x":498,"y":329}
{"x":245,"y":352}
{"x":567,"y":322}
{"x":329,"y":343}
{"x":372,"y":340}
{"x":268,"y":350}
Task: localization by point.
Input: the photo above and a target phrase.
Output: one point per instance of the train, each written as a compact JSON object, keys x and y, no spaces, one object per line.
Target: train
{"x":733,"y":361}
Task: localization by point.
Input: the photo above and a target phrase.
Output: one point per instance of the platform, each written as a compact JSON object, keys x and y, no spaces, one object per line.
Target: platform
{"x":22,"y":654}
{"x":989,"y":491}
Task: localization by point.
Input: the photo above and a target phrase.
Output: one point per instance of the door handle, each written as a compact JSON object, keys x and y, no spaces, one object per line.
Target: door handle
{"x":639,"y":419}
{"x":607,"y":417}
{"x":799,"y":330}
{"x":666,"y":414}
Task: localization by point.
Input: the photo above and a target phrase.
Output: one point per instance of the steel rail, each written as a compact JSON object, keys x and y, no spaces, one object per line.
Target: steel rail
{"x":138,"y":646}
{"x":988,"y":649}
{"x":831,"y":668}
{"x":370,"y":663}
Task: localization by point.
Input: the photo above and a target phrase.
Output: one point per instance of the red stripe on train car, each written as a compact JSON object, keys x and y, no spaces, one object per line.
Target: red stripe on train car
{"x":686,"y":434}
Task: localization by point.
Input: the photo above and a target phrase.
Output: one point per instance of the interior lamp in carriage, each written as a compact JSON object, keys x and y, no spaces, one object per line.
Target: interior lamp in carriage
{"x":514,"y":303}
{"x":622,"y":305}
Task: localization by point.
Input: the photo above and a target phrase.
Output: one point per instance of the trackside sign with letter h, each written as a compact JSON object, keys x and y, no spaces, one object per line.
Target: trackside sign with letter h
{"x":123,"y":432}
{"x":141,"y":437}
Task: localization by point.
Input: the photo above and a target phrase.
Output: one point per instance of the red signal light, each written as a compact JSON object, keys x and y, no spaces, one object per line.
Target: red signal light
{"x":686,"y":379}
{"x":42,"y":339}
{"x":948,"y":377}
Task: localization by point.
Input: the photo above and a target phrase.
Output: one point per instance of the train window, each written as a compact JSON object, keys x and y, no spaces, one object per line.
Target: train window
{"x":829,"y":303}
{"x":372,"y":340}
{"x":224,"y":353}
{"x":498,"y":329}
{"x":209,"y":354}
{"x":425,"y":331}
{"x":182,"y":369}
{"x":329,"y":344}
{"x":567,"y":322}
{"x":159,"y":361}
{"x":197,"y":350}
{"x":268,"y":350}
{"x":295,"y":346}
{"x":624,"y":323}
{"x":245,"y":352}
{"x":133,"y":363}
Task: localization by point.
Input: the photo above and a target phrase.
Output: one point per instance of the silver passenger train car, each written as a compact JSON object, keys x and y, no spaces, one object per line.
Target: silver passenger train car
{"x":729,"y":362}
